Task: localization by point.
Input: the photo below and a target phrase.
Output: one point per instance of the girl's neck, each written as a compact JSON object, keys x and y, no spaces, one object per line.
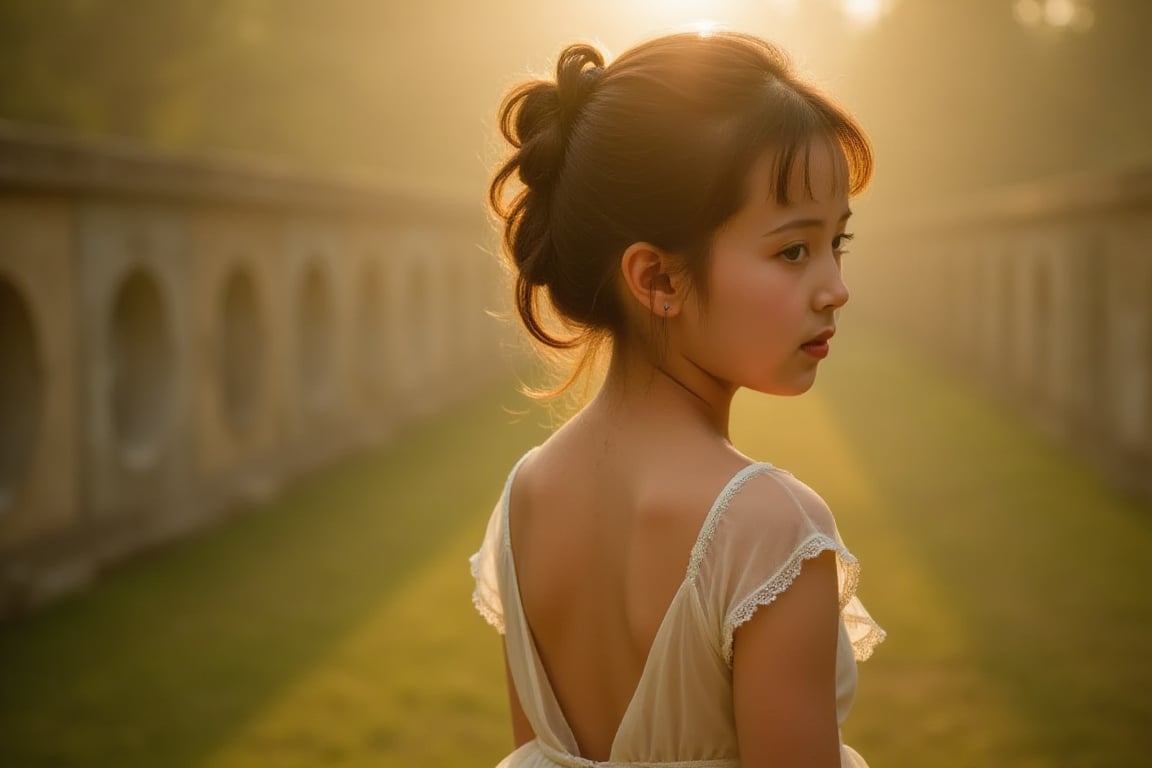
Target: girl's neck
{"x":673,"y":397}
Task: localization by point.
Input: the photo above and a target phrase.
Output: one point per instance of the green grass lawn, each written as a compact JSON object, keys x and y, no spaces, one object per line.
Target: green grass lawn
{"x":334,"y":626}
{"x":331,"y":627}
{"x":1009,"y":577}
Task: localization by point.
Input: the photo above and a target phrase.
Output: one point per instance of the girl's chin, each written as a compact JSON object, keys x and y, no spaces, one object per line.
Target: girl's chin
{"x":797,"y":386}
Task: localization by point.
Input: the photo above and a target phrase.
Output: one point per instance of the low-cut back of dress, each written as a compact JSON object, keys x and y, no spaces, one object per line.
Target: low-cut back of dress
{"x":681,"y":713}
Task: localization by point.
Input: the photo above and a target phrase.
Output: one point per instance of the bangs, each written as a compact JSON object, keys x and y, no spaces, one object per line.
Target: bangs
{"x":791,"y":123}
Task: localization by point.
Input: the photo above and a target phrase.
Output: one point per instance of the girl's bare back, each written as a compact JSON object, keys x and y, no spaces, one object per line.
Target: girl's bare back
{"x":601,"y":541}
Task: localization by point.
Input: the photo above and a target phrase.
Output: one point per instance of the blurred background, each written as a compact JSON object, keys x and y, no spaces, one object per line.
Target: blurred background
{"x":257,"y":399}
{"x":958,"y":96}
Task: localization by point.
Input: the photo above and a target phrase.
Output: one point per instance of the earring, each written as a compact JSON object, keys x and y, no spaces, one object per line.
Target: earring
{"x":667,"y":306}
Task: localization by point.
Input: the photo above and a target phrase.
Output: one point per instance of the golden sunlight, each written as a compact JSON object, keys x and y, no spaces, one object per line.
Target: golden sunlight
{"x":865,"y":12}
{"x":704,"y":27}
{"x":703,"y":16}
{"x":1054,"y":13}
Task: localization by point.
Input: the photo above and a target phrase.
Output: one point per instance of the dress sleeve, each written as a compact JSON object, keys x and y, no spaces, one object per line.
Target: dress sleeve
{"x":757,"y":547}
{"x":485,"y":565}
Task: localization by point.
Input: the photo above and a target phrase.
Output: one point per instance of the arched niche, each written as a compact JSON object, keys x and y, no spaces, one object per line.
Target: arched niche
{"x":421,"y":334}
{"x":143,"y":368}
{"x":315,"y":336}
{"x":21,"y":390}
{"x":241,"y":352}
{"x":372,"y":332}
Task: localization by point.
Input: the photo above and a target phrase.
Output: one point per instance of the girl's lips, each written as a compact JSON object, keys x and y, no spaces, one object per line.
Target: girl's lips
{"x":823,"y":336}
{"x":817,"y":349}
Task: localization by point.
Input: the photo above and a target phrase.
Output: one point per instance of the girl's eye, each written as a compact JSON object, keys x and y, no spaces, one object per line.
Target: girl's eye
{"x":796,"y":251}
{"x":840,"y":241}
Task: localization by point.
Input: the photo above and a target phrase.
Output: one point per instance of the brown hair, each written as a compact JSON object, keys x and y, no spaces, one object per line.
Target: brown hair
{"x":654,"y":147}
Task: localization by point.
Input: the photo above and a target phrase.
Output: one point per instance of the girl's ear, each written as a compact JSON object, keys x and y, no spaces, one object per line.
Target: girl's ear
{"x":651,"y":280}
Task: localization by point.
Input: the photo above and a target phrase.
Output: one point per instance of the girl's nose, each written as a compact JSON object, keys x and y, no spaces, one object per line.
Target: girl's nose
{"x":835,"y":293}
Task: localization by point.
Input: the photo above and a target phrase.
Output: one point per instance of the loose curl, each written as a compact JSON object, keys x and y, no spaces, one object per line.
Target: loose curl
{"x":537,"y":118}
{"x":653,"y":147}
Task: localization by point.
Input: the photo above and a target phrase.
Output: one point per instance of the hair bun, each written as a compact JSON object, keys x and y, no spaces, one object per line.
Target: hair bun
{"x":577,"y":71}
{"x":538,"y":126}
{"x":546,"y":112}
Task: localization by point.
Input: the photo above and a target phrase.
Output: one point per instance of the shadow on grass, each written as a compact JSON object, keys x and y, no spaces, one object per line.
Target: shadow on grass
{"x":168,"y":656}
{"x":1043,"y":563}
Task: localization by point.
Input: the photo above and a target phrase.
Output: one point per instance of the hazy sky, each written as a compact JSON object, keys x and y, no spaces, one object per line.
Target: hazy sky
{"x":957,"y":95}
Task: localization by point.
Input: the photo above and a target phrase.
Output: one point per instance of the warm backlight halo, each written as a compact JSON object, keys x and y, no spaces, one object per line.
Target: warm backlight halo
{"x":864,"y":12}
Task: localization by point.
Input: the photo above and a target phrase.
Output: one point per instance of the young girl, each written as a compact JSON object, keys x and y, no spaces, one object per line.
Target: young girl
{"x":665,"y":599}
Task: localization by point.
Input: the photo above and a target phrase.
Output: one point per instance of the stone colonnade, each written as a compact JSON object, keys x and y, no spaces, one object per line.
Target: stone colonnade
{"x":178,"y":335}
{"x":1041,"y":295}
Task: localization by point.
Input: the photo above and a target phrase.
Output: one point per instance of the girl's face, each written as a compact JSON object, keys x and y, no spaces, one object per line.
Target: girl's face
{"x":774,"y":278}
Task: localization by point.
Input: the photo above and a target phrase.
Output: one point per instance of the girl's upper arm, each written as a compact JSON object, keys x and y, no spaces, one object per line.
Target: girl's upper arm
{"x":522,"y":731}
{"x":784,"y":674}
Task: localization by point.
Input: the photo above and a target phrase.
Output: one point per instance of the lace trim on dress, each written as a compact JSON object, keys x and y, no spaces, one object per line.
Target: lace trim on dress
{"x":783,"y":578}
{"x":708,"y":530}
{"x":862,"y":647}
{"x":483,"y":602}
{"x":486,"y":598}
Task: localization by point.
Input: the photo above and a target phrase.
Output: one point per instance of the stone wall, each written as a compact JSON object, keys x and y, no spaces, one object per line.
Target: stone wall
{"x":178,"y":335}
{"x":1041,"y":296}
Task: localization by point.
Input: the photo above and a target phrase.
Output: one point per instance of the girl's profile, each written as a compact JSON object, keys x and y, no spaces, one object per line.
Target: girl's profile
{"x":680,"y":213}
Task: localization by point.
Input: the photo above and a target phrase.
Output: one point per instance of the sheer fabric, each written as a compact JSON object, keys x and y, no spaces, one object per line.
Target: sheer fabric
{"x":681,"y":714}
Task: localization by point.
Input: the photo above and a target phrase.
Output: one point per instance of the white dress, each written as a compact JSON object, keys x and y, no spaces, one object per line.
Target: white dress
{"x":681,"y":713}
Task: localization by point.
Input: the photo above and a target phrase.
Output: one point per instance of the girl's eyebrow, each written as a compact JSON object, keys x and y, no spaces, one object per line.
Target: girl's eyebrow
{"x":804,"y":223}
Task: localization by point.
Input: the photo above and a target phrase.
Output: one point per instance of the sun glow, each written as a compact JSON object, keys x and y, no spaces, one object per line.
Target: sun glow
{"x":865,"y":12}
{"x":704,"y":27}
